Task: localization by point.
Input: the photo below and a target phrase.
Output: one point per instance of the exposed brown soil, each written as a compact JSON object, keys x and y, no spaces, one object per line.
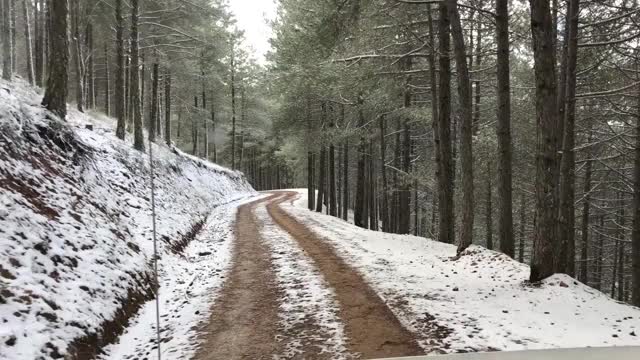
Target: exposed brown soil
{"x":244,"y":323}
{"x":372,"y":329}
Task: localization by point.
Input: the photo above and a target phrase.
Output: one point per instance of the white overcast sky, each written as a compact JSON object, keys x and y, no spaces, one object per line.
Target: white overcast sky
{"x":253,"y":17}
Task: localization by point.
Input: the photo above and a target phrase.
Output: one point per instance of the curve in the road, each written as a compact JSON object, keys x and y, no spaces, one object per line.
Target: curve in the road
{"x":372,"y":329}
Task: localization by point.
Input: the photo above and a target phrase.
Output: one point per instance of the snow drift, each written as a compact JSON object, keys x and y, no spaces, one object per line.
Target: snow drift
{"x":75,"y":225}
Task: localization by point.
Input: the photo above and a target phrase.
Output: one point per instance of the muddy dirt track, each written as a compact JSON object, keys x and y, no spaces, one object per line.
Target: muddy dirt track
{"x":245,"y":324}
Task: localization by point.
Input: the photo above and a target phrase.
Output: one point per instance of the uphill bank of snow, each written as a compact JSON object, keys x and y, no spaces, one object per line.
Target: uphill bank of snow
{"x":75,"y":226}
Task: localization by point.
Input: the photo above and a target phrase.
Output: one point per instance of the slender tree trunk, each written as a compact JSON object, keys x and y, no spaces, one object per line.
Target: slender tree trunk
{"x":167,"y":104}
{"x":321,"y":180}
{"x":194,"y":127}
{"x":522,"y":226}
{"x":38,"y":48}
{"x":584,"y":251}
{"x":505,"y":150}
{"x":120,"y":73}
{"x":383,"y":168}
{"x":233,"y":109}
{"x":153,"y":118}
{"x":446,"y":215}
{"x":26,"y":4}
{"x":333,"y":201}
{"x":90,"y":73}
{"x":635,"y":234}
{"x":489,"y":210}
{"x":598,"y":284}
{"x":138,"y":136}
{"x":478,"y":83}
{"x":107,"y":83}
{"x":373,"y":223}
{"x":7,"y":41}
{"x":55,"y":97}
{"x":345,"y":172}
{"x":566,"y":223}
{"x":545,"y":239}
{"x":13,"y":16}
{"x":359,"y":213}
{"x":431,"y":58}
{"x":466,"y":135}
{"x":78,"y":56}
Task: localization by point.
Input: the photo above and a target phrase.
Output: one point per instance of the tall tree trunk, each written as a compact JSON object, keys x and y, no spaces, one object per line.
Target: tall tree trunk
{"x":584,"y":251}
{"x":373,"y":221}
{"x":39,"y":43}
{"x":359,"y":213}
{"x":78,"y":56}
{"x":153,"y":118}
{"x":489,"y":210}
{"x":107,"y":83}
{"x":233,"y":109}
{"x":566,"y":222}
{"x":431,"y":58}
{"x":446,"y":215}
{"x":90,"y":73}
{"x":345,"y":172}
{"x":505,"y":191}
{"x":333,"y":201}
{"x":167,"y":109}
{"x":635,"y":234}
{"x":138,"y":136}
{"x":206,"y":121}
{"x":26,"y":4}
{"x":545,"y":239}
{"x":383,"y":169}
{"x":194,"y":127}
{"x":7,"y":41}
{"x":598,"y":284}
{"x":478,"y":83}
{"x":55,"y":97}
{"x":522,"y":225}
{"x":466,"y":135}
{"x":321,"y":180}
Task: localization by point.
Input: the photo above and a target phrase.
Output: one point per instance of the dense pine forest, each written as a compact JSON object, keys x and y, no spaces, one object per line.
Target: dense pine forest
{"x":509,"y":124}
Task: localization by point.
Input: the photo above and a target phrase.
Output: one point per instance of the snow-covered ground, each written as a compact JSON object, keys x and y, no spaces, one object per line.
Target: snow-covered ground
{"x":479,"y":302}
{"x":307,"y":296}
{"x":75,"y":228}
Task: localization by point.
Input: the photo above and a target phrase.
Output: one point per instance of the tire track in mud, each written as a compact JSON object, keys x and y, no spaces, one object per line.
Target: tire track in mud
{"x":244,"y":323}
{"x":372,"y":329}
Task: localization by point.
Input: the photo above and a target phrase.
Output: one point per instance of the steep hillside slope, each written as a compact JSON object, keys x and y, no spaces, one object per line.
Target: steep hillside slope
{"x":75,"y":226}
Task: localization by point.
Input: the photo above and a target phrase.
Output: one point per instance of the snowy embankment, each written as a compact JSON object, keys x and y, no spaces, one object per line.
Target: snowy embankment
{"x":75,"y":233}
{"x":479,"y":302}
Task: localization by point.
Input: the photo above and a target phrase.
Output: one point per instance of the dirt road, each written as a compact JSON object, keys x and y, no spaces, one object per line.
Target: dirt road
{"x":246,"y":321}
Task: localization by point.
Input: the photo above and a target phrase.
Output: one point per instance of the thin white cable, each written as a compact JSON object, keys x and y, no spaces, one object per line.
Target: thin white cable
{"x":155,"y":247}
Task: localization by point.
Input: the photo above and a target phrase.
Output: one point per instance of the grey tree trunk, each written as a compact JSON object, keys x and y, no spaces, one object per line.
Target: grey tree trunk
{"x":505,"y":148}
{"x":167,"y":107}
{"x":635,"y":234}
{"x":522,"y":225}
{"x":345,"y":173}
{"x":489,"y":210}
{"x":153,"y":117}
{"x":7,"y":41}
{"x":383,"y":169}
{"x":107,"y":83}
{"x":55,"y":97}
{"x":26,"y":9}
{"x":233,"y":109}
{"x":466,"y":135}
{"x":566,"y":219}
{"x":545,"y":239}
{"x":138,"y":136}
{"x":446,"y":215}
{"x":584,"y":251}
{"x":78,"y":56}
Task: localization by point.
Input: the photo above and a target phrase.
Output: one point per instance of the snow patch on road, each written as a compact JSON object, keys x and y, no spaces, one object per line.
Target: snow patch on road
{"x":479,"y":302}
{"x":309,"y":308}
